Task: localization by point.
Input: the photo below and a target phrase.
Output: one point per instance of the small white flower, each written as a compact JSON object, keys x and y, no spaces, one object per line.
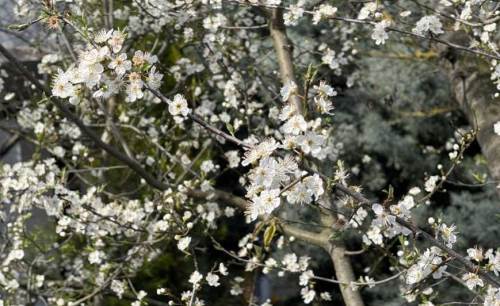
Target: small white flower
{"x":472,"y":280}
{"x":62,"y":87}
{"x":212,"y":279}
{"x":120,"y":64}
{"x":264,"y":204}
{"x":141,"y":295}
{"x":96,"y":257}
{"x":324,"y":11}
{"x":496,"y":128}
{"x":325,"y":296}
{"x":262,"y":150}
{"x":178,"y":106}
{"x":134,"y":91}
{"x":368,"y":280}
{"x":414,"y":191}
{"x":233,"y":158}
{"x":431,"y":182}
{"x":116,"y":41}
{"x":323,"y":105}
{"x":476,"y":254}
{"x":161,"y":291}
{"x":331,"y":59}
{"x":183,"y":243}
{"x":305,"y":277}
{"x":448,"y":234}
{"x":102,"y":36}
{"x":379,"y":34}
{"x":288,"y":90}
{"x":293,"y":14}
{"x":324,"y":89}
{"x":140,"y":58}
{"x":428,"y":24}
{"x":154,"y":78}
{"x":290,"y":262}
{"x":195,"y":277}
{"x":307,"y":295}
{"x":223,"y":269}
{"x":229,"y":212}
{"x":39,"y":279}
{"x":405,"y":13}
{"x":368,"y":9}
{"x":295,"y":125}
{"x":118,"y":287}
{"x":207,"y":166}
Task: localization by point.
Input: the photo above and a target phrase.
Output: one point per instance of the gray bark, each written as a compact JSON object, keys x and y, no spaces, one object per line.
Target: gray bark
{"x":473,"y":90}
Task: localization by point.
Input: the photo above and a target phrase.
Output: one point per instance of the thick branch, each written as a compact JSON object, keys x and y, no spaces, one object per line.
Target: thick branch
{"x":337,"y":252}
{"x":344,"y":273}
{"x":336,"y":249}
{"x":283,"y":47}
{"x":473,"y":90}
{"x":342,"y":264}
{"x":318,"y":239}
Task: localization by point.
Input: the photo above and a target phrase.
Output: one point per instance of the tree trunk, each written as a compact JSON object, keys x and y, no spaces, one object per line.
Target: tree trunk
{"x":344,"y":273}
{"x":283,"y":47}
{"x":473,"y":91}
{"x":341,"y":263}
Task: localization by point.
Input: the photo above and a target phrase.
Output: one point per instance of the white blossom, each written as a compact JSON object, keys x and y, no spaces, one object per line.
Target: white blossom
{"x":430,"y":183}
{"x":472,"y":280}
{"x":288,"y":90}
{"x":496,"y":128}
{"x":379,"y":34}
{"x":293,"y":14}
{"x":195,"y":277}
{"x":263,"y":149}
{"x":178,"y":106}
{"x":184,"y":243}
{"x":307,"y":295}
{"x":212,"y":279}
{"x":96,"y":257}
{"x":120,"y":64}
{"x":264,"y":204}
{"x":118,"y":287}
{"x":428,"y":24}
{"x":324,"y":11}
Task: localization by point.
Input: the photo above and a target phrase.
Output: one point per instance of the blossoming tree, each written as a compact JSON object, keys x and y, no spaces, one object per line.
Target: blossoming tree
{"x":157,"y":123}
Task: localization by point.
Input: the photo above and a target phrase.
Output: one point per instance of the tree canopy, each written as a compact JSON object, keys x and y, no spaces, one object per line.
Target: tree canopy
{"x":250,"y":152}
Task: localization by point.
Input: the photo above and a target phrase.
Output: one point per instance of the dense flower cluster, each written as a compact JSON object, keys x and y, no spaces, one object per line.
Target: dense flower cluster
{"x":105,"y":70}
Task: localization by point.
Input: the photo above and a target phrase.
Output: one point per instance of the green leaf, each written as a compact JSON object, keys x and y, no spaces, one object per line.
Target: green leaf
{"x":269,"y":234}
{"x":479,"y":177}
{"x":18,"y":27}
{"x":230,"y":128}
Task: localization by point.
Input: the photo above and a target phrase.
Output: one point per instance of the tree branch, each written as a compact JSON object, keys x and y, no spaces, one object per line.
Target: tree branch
{"x":344,"y":273}
{"x":284,"y":54}
{"x":433,"y":241}
{"x":389,"y":29}
{"x":318,"y":239}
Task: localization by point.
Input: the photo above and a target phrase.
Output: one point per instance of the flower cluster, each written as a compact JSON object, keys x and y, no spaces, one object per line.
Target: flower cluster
{"x":428,"y":24}
{"x":105,"y":70}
